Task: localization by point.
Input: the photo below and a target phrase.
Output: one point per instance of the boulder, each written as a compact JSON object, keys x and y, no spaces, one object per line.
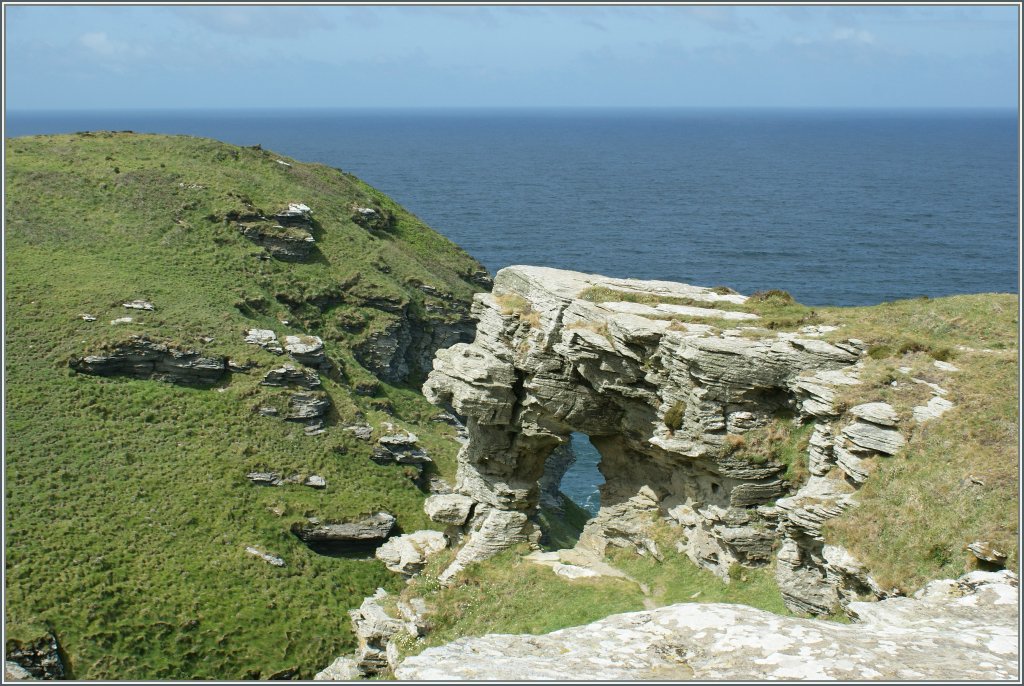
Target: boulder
{"x":451,"y":508}
{"x":308,"y":350}
{"x":871,"y":437}
{"x":881,"y":414}
{"x":408,"y":553}
{"x":935,"y":408}
{"x":401,"y":447}
{"x":374,"y":527}
{"x":342,"y":669}
{"x":265,"y":338}
{"x":139,"y":305}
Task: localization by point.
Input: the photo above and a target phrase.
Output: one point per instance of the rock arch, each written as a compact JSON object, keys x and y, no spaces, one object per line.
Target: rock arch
{"x":661,"y":397}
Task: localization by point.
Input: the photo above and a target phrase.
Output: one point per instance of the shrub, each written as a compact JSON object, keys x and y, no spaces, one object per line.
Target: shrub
{"x":674,"y":416}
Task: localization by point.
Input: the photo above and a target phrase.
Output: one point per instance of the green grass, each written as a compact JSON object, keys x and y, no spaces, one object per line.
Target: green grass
{"x":127,"y":509}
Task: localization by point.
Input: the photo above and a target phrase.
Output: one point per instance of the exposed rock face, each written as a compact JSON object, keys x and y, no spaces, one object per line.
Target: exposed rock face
{"x":408,"y":344}
{"x":401,"y":447}
{"x":951,"y":630}
{"x":266,"y":557}
{"x":287,"y":236}
{"x":143,"y":358}
{"x":265,"y":338}
{"x":342,"y":669}
{"x":450,"y":508}
{"x":546,"y":362}
{"x":375,"y":527}
{"x":555,"y":467}
{"x":288,"y":375}
{"x":407,"y":554}
{"x":307,"y":350}
{"x":39,"y":659}
{"x":303,"y":405}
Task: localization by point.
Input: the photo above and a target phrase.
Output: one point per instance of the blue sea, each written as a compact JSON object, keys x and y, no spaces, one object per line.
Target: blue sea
{"x":836,"y":207}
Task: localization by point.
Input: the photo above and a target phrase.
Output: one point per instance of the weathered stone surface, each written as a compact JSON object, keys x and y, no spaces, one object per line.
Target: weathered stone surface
{"x":935,"y":408}
{"x":266,"y":557}
{"x":144,"y":358}
{"x":139,"y":305}
{"x":342,"y":669}
{"x":547,"y":362}
{"x":307,"y":350}
{"x":265,"y":338}
{"x":986,"y":552}
{"x":870,"y":436}
{"x":450,"y":508}
{"x":408,"y":553}
{"x":363,"y":432}
{"x":951,"y":630}
{"x":401,"y":447}
{"x":15,"y":672}
{"x":307,"y":405}
{"x":375,"y":527}
{"x":374,"y":629}
{"x":881,"y":414}
{"x":39,"y":658}
{"x":288,"y":375}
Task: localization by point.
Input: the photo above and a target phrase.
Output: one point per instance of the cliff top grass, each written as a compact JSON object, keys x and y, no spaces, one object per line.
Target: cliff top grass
{"x":127,"y":510}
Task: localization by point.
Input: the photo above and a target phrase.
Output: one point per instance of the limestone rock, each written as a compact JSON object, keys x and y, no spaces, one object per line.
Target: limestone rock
{"x":870,"y":436}
{"x":121,"y":320}
{"x":547,"y":362}
{"x":935,"y":408}
{"x":952,"y":630}
{"x":39,"y":658}
{"x":375,"y":527}
{"x":342,"y":669}
{"x":881,"y":414}
{"x":363,"y":432}
{"x":408,"y":553}
{"x":265,"y":338}
{"x":986,"y":552}
{"x":144,"y":358}
{"x":266,"y":557}
{"x":401,"y":447}
{"x":449,"y":508}
{"x":307,"y":405}
{"x":288,"y":375}
{"x":374,"y":629}
{"x":315,"y":481}
{"x":139,"y":305}
{"x":15,"y":672}
{"x":308,"y":350}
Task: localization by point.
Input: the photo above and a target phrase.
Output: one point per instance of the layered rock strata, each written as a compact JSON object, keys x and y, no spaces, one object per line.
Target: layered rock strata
{"x":663,"y":399}
{"x":144,"y":358}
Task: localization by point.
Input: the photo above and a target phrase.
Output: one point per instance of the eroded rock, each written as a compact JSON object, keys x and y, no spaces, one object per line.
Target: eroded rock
{"x":951,"y":630}
{"x":141,"y":357}
{"x":377,"y":526}
{"x":408,"y":553}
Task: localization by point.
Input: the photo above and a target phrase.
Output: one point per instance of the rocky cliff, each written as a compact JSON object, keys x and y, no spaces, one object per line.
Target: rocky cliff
{"x":681,"y":389}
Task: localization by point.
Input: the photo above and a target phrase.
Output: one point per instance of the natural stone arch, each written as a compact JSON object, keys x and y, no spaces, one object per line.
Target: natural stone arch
{"x":660,"y":399}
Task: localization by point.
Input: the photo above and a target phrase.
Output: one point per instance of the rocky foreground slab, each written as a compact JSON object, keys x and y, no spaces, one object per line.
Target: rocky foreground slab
{"x":966,"y":629}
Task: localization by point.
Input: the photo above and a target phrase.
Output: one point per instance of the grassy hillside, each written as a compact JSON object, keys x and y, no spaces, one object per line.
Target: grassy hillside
{"x":127,"y":507}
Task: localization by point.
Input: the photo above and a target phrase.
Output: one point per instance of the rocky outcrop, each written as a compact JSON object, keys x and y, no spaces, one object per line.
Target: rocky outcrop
{"x":288,"y":375}
{"x":39,"y":658}
{"x":407,"y":554}
{"x":660,"y":397}
{"x":400,"y":447}
{"x":342,"y":669}
{"x":141,"y":357}
{"x":375,"y":629}
{"x":407,"y":344}
{"x":449,"y":508}
{"x":272,"y":560}
{"x":376,"y":527}
{"x":287,"y":236}
{"x":951,"y":630}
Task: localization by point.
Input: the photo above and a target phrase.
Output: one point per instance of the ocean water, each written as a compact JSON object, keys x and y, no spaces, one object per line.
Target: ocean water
{"x":837,"y":207}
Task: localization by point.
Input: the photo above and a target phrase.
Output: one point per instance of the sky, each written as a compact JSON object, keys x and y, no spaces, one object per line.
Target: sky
{"x":329,"y":56}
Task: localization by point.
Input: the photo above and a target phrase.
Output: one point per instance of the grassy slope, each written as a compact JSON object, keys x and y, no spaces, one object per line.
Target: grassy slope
{"x":127,"y":510}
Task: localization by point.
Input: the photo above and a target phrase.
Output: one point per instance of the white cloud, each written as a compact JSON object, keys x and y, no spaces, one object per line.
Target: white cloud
{"x":847,"y":34}
{"x":99,"y":43}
